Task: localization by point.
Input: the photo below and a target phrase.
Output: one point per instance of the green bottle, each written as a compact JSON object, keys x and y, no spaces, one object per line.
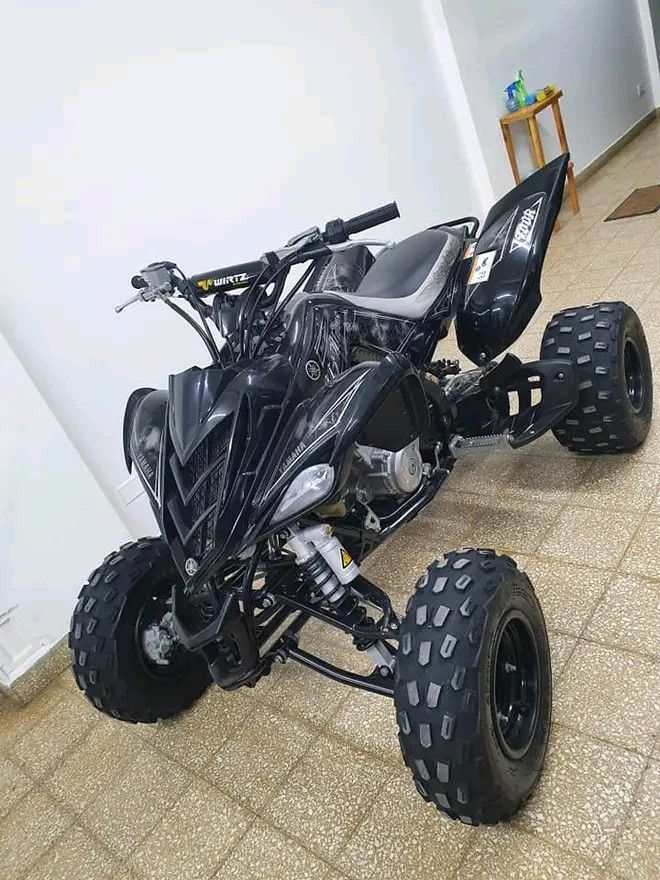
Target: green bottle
{"x":521,"y":89}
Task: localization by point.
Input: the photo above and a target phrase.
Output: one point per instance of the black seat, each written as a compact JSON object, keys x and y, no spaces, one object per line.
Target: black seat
{"x":406,"y":279}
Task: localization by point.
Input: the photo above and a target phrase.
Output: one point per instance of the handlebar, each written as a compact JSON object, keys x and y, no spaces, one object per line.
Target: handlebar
{"x":157,"y":281}
{"x":337,"y":231}
{"x":372,"y":218}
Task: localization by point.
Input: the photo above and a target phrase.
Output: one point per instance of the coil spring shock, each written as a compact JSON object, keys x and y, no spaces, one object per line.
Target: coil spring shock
{"x":325,"y":587}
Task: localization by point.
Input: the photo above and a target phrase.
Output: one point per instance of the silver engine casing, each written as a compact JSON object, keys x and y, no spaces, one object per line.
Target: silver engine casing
{"x":381,"y":472}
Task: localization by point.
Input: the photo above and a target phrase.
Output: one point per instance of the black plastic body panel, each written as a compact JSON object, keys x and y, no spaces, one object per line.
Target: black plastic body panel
{"x":219,"y":449}
{"x":503,"y":288}
{"x":129,"y":413}
{"x":342,"y":271}
{"x":147,"y":439}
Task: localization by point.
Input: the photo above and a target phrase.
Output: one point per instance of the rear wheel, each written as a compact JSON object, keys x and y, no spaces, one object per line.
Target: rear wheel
{"x":607,"y":345}
{"x":473,"y":688}
{"x":124,"y":654}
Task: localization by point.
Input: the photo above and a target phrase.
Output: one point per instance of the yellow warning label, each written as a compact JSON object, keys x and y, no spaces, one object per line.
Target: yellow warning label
{"x":345,"y":558}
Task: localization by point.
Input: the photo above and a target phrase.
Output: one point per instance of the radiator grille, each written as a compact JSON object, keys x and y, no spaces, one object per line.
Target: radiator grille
{"x":197,"y":487}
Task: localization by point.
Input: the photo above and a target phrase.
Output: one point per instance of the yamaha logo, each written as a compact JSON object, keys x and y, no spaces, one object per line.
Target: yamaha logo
{"x":191,"y":566}
{"x":313,"y":370}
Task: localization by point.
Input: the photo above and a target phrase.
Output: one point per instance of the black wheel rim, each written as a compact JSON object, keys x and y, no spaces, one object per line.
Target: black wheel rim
{"x":150,"y":618}
{"x":632,"y":365}
{"x":515,"y":687}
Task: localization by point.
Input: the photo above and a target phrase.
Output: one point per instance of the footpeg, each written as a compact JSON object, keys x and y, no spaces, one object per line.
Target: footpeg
{"x":460,"y":447}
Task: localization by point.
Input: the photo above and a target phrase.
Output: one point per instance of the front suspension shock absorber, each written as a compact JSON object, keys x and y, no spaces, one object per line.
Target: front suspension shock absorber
{"x":328,"y":566}
{"x":330,"y":569}
{"x":326,"y":584}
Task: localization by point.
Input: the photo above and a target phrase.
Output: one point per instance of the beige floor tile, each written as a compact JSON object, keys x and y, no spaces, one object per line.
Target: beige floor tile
{"x":327,"y":795}
{"x":194,"y":836}
{"x":488,"y":475}
{"x":628,"y":616}
{"x":254,"y":764}
{"x":449,"y":506}
{"x":652,"y":297}
{"x":132,"y":805}
{"x":655,"y":506}
{"x":586,"y":536}
{"x":67,"y":681}
{"x":13,"y":785}
{"x":584,"y":794}
{"x":568,"y":593}
{"x":637,"y":853}
{"x":426,"y":541}
{"x":546,"y":447}
{"x":506,"y":853}
{"x":611,"y":695}
{"x":27,"y":831}
{"x":17,"y":721}
{"x":637,"y":273}
{"x":40,"y":675}
{"x":76,"y":856}
{"x":333,"y":645}
{"x":619,"y":482}
{"x":532,"y":478}
{"x":635,"y":293}
{"x":642,"y":554}
{"x":266,"y":854}
{"x":367,"y":721}
{"x":44,"y":745}
{"x":561,"y":648}
{"x":193,"y":737}
{"x":304,"y":694}
{"x":413,"y":840}
{"x":513,"y":525}
{"x":93,"y":765}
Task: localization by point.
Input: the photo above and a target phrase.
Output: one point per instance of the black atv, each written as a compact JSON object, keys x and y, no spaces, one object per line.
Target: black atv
{"x":320,"y":425}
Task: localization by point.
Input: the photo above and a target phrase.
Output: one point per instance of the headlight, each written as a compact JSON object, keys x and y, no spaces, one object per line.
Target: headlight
{"x":311,"y":485}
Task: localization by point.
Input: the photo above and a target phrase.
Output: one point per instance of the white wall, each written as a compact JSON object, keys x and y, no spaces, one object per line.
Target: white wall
{"x":649,"y":13}
{"x":55,"y":524}
{"x":592,"y":49}
{"x":204,"y":132}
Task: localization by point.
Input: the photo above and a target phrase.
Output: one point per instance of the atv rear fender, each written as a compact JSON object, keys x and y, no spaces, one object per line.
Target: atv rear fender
{"x":503,"y":286}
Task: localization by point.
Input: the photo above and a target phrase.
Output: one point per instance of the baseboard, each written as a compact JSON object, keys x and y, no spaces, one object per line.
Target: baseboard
{"x":39,"y":675}
{"x":594,"y":166}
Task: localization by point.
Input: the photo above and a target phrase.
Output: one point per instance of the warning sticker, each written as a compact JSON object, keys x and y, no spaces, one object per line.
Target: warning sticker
{"x":481,"y":266}
{"x":345,"y":558}
{"x":469,"y":250}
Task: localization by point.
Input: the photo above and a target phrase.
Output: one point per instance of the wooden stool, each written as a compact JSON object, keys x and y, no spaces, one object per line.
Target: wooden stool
{"x":529,"y":113}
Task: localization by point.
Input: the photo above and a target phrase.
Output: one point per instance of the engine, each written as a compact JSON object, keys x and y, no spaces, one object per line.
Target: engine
{"x":379,"y":472}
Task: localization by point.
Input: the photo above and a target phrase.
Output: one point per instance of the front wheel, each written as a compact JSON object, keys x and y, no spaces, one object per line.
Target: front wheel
{"x":124,"y":654}
{"x":473,"y":687}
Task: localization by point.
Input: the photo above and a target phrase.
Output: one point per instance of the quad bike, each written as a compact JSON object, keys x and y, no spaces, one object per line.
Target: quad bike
{"x":320,"y":426}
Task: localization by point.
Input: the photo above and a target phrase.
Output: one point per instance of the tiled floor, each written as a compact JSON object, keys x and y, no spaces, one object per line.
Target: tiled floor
{"x":302,"y":778}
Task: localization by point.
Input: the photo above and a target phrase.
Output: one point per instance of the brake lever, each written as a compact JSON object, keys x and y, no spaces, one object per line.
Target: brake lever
{"x":122,"y":306}
{"x":148,"y":294}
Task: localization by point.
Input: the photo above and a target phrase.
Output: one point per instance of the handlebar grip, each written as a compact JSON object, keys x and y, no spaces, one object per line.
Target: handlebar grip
{"x":371,"y":218}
